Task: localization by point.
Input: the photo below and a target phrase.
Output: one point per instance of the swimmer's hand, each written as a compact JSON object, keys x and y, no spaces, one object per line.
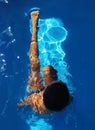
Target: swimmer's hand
{"x":25,"y":102}
{"x":20,"y":104}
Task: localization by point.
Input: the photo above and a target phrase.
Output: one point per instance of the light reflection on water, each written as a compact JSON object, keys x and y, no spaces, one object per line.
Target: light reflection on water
{"x":4,"y":1}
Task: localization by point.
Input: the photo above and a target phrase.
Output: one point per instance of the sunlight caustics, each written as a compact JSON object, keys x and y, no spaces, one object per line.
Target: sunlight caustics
{"x":39,"y":124}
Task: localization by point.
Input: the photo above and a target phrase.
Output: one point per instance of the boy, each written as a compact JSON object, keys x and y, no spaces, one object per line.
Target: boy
{"x":53,"y":95}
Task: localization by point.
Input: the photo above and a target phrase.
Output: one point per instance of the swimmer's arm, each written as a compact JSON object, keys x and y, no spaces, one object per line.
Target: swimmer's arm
{"x":27,"y":101}
{"x":34,"y":18}
{"x":34,"y":41}
{"x":34,"y":76}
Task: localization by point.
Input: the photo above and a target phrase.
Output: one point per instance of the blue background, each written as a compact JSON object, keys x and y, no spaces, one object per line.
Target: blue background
{"x":79,"y":20}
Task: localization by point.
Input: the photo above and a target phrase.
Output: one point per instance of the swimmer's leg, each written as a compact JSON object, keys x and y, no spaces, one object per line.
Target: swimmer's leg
{"x":34,"y":77}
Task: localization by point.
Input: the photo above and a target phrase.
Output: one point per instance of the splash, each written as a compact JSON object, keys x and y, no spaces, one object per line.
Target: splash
{"x":30,"y":10}
{"x":7,"y":37}
{"x":6,"y":40}
{"x":2,"y":63}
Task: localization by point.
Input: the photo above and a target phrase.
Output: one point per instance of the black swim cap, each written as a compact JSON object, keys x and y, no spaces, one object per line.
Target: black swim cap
{"x":56,"y":96}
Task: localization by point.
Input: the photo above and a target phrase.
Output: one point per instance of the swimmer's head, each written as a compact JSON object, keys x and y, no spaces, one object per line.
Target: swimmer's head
{"x":56,"y":96}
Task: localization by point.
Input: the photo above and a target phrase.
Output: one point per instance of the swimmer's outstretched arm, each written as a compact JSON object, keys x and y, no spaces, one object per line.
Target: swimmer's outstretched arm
{"x":34,"y":41}
{"x":34,"y":82}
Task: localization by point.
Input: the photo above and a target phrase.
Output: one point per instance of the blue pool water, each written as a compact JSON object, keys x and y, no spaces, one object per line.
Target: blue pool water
{"x":75,"y":49}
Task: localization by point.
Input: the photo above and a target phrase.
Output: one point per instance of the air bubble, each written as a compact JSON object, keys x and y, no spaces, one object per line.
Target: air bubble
{"x":2,"y":63}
